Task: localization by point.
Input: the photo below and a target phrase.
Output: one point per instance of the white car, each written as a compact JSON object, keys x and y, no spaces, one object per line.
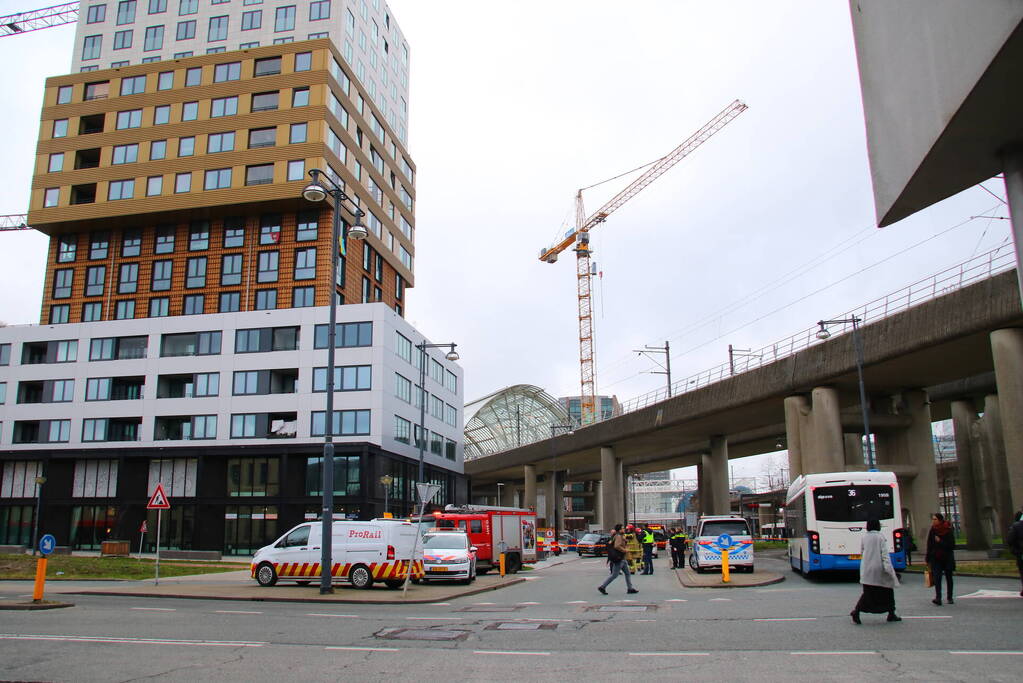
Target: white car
{"x":711,"y":532}
{"x":448,"y":555}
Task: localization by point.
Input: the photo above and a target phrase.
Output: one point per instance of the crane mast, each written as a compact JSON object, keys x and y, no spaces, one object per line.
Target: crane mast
{"x":581,"y":238}
{"x":47,"y":17}
{"x":14,"y":221}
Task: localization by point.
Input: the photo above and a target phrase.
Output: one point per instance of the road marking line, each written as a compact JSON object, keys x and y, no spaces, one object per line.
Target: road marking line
{"x":234,"y":611}
{"x":509,"y":652}
{"x":335,"y":616}
{"x":567,"y":621}
{"x":576,"y":602}
{"x":644,"y":619}
{"x":156,"y":609}
{"x":677,"y":600}
{"x":930,"y":616}
{"x":363,"y":649}
{"x":984,"y":652}
{"x":484,"y":603}
{"x":529,"y":603}
{"x":789,"y":619}
{"x":134,"y":641}
{"x":720,"y":599}
{"x":669,"y":654}
{"x":441,"y":604}
{"x":435,"y":618}
{"x":848,"y":652}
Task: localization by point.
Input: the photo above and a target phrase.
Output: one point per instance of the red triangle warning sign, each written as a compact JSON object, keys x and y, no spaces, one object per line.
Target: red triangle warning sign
{"x":158,"y":501}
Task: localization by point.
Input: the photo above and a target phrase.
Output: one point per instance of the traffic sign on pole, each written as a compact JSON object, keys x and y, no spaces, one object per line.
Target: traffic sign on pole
{"x":159,"y":500}
{"x":46,"y":544}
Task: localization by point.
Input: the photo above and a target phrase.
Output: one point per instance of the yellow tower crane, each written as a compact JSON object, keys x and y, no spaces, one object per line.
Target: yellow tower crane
{"x":581,"y":239}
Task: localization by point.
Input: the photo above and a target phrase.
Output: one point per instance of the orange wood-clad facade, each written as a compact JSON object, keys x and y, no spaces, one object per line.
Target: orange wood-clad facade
{"x":80,"y":200}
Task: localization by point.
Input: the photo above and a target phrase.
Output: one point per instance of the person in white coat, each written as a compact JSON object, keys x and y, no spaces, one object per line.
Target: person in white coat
{"x":877,"y":576}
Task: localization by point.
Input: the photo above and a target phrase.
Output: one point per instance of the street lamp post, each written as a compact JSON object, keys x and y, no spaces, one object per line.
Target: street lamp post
{"x":858,"y":346}
{"x":316,"y":191}
{"x":39,"y":506}
{"x":500,"y":485}
{"x":387,"y":480}
{"x":554,"y":472}
{"x":452,"y":356}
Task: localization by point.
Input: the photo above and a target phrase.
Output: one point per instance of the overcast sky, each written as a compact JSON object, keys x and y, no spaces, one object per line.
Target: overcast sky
{"x":516,"y":105}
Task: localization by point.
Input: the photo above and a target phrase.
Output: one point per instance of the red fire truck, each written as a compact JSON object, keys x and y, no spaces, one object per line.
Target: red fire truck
{"x":494,"y":530}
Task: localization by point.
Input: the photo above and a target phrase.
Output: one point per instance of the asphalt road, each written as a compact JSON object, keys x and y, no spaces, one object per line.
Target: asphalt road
{"x":552,"y":627}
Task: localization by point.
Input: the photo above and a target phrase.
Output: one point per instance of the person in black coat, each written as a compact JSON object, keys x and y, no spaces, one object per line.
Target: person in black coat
{"x":941,"y":557}
{"x":1015,"y":541}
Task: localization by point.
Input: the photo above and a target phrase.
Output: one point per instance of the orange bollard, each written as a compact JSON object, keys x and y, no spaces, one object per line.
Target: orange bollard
{"x":500,"y":563}
{"x":725,"y":577}
{"x":37,"y":593}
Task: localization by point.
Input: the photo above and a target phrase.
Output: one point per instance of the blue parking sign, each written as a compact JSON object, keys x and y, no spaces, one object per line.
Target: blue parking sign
{"x":47,"y":543}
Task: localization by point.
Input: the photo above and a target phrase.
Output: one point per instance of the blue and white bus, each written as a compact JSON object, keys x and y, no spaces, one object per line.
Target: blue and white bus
{"x":826,"y":516}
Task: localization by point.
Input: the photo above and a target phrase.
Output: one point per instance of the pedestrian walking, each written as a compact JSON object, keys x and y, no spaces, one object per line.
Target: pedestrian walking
{"x":1015,"y":540}
{"x":617,"y":562}
{"x":678,"y":548}
{"x":941,"y":556}
{"x":648,"y":550}
{"x":877,"y":576}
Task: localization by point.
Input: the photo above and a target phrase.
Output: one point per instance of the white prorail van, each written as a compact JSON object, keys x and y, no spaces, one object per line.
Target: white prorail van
{"x":362,"y":552}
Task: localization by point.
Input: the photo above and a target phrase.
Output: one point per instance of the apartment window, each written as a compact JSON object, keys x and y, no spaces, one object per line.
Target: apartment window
{"x":296,"y":169}
{"x":207,"y":384}
{"x":154,"y":185}
{"x":188,"y":7}
{"x":218,"y":179}
{"x":186,"y":147}
{"x":346,"y":378}
{"x":259,"y":175}
{"x":125,"y":154}
{"x":266,"y":299}
{"x":300,"y":97}
{"x":125,"y":310}
{"x":131,"y":243}
{"x":298,"y":133}
{"x":268,"y":265}
{"x":193,"y":76}
{"x":316,"y":36}
{"x":157,"y":150}
{"x":183,"y":182}
{"x":153,"y":39}
{"x":267,"y":66}
{"x":191,"y":344}
{"x":249,"y":45}
{"x":234,"y":232}
{"x":344,"y":423}
{"x":303,"y":61}
{"x":92,"y":312}
{"x":183,"y":55}
{"x":186,"y":30}
{"x":264,"y":101}
{"x":269,"y":228}
{"x":345,"y":335}
{"x":199,"y":236}
{"x":165,"y":80}
{"x":157,"y":6}
{"x":129,"y":119}
{"x":95,"y":278}
{"x":164,"y":240}
{"x":319,"y":9}
{"x":125,"y":12}
{"x":262,"y":137}
{"x":64,"y":94}
{"x":60,"y":314}
{"x":349,"y":22}
{"x":215,"y":50}
{"x":67,"y":246}
{"x":62,"y":283}
{"x":402,"y":430}
{"x":224,"y":106}
{"x":151,"y":59}
{"x":266,"y":339}
{"x":305,"y":264}
{"x":91,"y":48}
{"x":218,"y":29}
{"x":121,"y":189}
{"x":194,"y":304}
{"x":196,"y":272}
{"x":231,"y":269}
{"x":159,"y":307}
{"x":99,"y":243}
{"x":302,"y":297}
{"x":306,"y":226}
{"x":252,"y":20}
{"x":231,"y":71}
{"x":51,"y":197}
{"x":219,"y":142}
{"x":60,"y":128}
{"x":96,"y":14}
{"x":285,"y":19}
{"x":189,"y":111}
{"x":128,"y":280}
{"x":162,"y":272}
{"x":161,"y":114}
{"x":56,"y":162}
{"x":230,"y":302}
{"x":402,"y":388}
{"x":5,"y":354}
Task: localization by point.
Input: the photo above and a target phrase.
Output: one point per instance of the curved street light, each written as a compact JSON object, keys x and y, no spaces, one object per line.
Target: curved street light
{"x":317,"y":191}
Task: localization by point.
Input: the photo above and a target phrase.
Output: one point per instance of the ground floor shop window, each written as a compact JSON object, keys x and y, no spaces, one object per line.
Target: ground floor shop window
{"x":253,"y":477}
{"x":91,"y":525}
{"x":16,"y":525}
{"x":177,"y":529}
{"x":247,"y":528}
{"x":346,"y":476}
{"x":341,"y":511}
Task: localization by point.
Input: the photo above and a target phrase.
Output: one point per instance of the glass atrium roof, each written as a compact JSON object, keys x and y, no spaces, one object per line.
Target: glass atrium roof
{"x":514,"y":416}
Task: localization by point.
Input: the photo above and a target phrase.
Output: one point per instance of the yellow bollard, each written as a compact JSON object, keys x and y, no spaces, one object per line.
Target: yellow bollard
{"x":37,"y":593}
{"x":725,"y":578}
{"x":500,"y":562}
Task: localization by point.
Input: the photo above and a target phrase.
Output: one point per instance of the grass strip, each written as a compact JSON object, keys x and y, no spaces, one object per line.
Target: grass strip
{"x":70,"y":567}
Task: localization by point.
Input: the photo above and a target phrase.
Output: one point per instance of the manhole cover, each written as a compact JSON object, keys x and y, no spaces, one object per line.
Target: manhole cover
{"x":421,"y":634}
{"x":623,"y":608}
{"x":490,"y":608}
{"x":520,"y":626}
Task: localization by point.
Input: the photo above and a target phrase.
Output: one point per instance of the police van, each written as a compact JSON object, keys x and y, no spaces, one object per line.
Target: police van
{"x":361,"y":553}
{"x":715,"y":533}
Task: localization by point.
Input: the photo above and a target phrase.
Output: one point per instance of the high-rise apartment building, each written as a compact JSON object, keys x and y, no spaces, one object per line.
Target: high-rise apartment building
{"x":183,"y":330}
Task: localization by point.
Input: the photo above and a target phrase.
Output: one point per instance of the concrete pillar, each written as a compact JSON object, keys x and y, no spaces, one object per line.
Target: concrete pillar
{"x":719,"y":474}
{"x":963,"y":415}
{"x":852,"y":450}
{"x":797,"y":408}
{"x":920,"y":495}
{"x":599,"y":518}
{"x":1007,"y":351}
{"x":994,"y":443}
{"x":610,"y":490}
{"x":529,"y":472}
{"x":623,"y":506}
{"x":828,"y":453}
{"x":558,"y":481}
{"x":703,"y":483}
{"x":550,"y":497}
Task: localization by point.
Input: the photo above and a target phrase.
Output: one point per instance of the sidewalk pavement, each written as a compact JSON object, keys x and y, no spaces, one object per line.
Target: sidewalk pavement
{"x":690,"y":579}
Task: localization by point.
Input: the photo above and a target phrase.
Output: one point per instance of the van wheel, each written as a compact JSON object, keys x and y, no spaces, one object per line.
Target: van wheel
{"x":394,"y":583}
{"x":266,"y":575}
{"x":512,"y":564}
{"x":361,"y":577}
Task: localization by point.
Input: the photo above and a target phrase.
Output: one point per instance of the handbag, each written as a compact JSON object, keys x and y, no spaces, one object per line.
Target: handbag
{"x":928,"y":579}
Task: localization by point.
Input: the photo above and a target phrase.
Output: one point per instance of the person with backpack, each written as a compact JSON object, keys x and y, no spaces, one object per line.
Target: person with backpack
{"x":1014,"y":539}
{"x":617,"y":562}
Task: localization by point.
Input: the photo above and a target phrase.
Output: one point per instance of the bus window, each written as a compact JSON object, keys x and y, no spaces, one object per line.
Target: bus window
{"x":852,"y":503}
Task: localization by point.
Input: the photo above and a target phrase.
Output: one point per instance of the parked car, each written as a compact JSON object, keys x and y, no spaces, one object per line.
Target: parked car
{"x":710,"y":530}
{"x":568,"y":541}
{"x":448,"y":556}
{"x":593,"y":544}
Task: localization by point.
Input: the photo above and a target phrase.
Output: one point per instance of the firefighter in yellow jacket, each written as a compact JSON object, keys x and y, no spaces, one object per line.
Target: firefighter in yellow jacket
{"x":633,"y":549}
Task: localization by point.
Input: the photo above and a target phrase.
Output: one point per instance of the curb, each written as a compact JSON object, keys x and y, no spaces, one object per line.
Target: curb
{"x":34,"y":606}
{"x":775,"y":578}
